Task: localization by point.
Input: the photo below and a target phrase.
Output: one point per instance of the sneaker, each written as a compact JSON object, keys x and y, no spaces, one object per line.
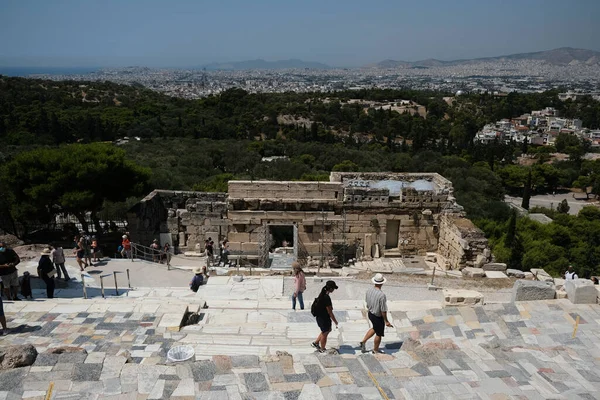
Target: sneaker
{"x":322,"y":350}
{"x":315,"y":345}
{"x":377,"y":351}
{"x":4,"y":332}
{"x":363,"y":348}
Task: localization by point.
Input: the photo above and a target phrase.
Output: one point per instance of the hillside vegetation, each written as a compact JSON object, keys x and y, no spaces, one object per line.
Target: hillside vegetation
{"x":48,"y":130}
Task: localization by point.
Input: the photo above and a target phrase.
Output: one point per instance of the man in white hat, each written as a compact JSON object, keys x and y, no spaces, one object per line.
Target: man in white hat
{"x":197,"y":280}
{"x":377,"y":306}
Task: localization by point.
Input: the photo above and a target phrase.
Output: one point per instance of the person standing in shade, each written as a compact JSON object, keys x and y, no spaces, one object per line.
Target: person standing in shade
{"x":377,"y":305}
{"x":299,"y":285}
{"x":9,"y":260}
{"x":323,"y":310}
{"x":46,"y":271}
{"x":126,"y":243}
{"x":58,"y":258}
{"x":4,"y":331}
{"x":570,"y":275}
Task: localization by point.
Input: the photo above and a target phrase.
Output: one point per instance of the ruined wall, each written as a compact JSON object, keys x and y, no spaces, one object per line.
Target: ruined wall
{"x":461,"y":242}
{"x":187,"y":216}
{"x":351,"y":207}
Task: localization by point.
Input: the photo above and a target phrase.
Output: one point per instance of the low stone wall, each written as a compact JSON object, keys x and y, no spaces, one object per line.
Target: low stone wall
{"x":461,"y":242}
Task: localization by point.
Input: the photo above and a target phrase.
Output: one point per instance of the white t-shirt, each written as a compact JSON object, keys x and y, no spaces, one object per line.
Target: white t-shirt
{"x":571,"y":276}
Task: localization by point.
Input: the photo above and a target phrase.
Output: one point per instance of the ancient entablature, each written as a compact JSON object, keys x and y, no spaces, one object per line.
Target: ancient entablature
{"x":388,"y":214}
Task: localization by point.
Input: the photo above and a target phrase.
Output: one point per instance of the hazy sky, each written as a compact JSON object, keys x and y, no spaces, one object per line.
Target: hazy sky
{"x":340,"y":33}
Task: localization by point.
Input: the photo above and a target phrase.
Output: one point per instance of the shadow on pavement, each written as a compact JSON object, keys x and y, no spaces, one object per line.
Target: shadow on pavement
{"x":25,"y":329}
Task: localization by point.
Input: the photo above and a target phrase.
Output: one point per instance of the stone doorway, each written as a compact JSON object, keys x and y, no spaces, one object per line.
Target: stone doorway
{"x":391,"y":233}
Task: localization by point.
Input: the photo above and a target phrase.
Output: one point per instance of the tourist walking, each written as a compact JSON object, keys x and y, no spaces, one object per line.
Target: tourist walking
{"x":377,"y":306}
{"x":86,"y":244}
{"x":225,"y":252}
{"x":126,"y":251}
{"x":58,"y":258}
{"x":46,"y":271}
{"x":299,"y":285}
{"x":8,"y":271}
{"x":570,"y":274}
{"x":79,"y":253}
{"x":322,"y":309}
{"x":155,"y":250}
{"x":95,"y":249}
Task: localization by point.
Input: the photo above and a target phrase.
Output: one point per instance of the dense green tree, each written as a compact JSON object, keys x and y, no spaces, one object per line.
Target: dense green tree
{"x":563,"y":207}
{"x":71,"y":179}
{"x":527,"y":192}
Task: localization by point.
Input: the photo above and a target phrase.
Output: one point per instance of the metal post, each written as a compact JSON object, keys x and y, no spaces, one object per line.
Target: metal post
{"x":83,"y":284}
{"x":116,"y":287}
{"x":168,"y":261}
{"x":128,"y":279}
{"x":433,"y":276}
{"x":102,"y":286}
{"x":131,"y":251}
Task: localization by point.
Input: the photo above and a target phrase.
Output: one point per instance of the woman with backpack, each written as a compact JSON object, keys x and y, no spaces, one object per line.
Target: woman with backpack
{"x":299,"y":285}
{"x":322,"y":309}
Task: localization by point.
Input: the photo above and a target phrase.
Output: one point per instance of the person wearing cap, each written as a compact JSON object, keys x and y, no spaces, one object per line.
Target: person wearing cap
{"x":9,"y":260}
{"x":377,"y":306}
{"x":197,"y":279}
{"x":46,"y":271}
{"x":323,"y":311}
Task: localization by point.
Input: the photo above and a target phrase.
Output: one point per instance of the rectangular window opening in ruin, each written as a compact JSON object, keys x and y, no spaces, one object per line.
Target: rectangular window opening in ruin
{"x":281,"y":236}
{"x":240,"y":227}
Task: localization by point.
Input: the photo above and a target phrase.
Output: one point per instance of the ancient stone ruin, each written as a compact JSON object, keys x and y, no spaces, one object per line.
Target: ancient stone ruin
{"x":376,"y":214}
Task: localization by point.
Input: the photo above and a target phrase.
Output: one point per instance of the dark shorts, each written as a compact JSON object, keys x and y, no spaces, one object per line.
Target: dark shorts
{"x":378,"y":324}
{"x":80,"y":253}
{"x":324,"y":323}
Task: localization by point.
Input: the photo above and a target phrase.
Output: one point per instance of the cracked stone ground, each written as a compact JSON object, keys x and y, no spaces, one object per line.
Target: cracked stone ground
{"x":498,"y":351}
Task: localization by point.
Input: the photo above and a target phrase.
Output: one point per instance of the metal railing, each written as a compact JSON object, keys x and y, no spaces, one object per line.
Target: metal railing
{"x":147,"y":253}
{"x":114,"y":274}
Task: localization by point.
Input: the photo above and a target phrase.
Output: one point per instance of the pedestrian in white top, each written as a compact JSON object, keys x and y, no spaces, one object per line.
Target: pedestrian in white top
{"x":377,"y":305}
{"x":58,"y":258}
{"x":570,"y":275}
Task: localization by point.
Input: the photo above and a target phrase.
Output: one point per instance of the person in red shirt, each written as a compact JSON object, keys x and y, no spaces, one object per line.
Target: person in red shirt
{"x":126,"y":252}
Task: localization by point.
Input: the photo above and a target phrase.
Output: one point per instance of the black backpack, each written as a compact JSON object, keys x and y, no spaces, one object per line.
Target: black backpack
{"x":314,"y":308}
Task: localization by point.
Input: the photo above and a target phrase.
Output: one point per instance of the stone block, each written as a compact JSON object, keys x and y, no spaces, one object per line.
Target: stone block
{"x":541,"y":275}
{"x":471,"y":272}
{"x":459,"y":297}
{"x":561,"y":294}
{"x":524,"y":290}
{"x":495,"y":275}
{"x":249,"y":247}
{"x":517,"y":273}
{"x":529,"y":275}
{"x":494,"y":267}
{"x":581,"y":291}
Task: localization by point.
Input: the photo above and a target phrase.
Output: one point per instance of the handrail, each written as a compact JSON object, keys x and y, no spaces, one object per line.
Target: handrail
{"x":147,"y":253}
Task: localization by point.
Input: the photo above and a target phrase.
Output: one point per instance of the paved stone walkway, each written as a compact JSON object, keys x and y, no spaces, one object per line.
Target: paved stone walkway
{"x":499,"y":351}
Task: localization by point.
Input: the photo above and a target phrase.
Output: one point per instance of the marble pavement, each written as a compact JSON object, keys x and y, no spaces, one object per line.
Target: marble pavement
{"x":251,"y":345}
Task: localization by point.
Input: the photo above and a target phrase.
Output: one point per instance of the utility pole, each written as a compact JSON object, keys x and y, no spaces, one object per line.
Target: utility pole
{"x":322,"y":239}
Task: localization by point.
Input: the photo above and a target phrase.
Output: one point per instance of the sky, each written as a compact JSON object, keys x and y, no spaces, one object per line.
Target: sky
{"x":186,"y":33}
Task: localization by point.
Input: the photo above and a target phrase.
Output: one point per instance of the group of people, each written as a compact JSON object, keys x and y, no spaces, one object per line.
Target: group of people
{"x":85,"y":249}
{"x":322,"y":310}
{"x":209,"y":248}
{"x":159,"y":256}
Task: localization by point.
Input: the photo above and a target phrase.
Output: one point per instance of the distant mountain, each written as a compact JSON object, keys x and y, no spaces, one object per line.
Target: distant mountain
{"x":561,"y":56}
{"x":262,"y":64}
